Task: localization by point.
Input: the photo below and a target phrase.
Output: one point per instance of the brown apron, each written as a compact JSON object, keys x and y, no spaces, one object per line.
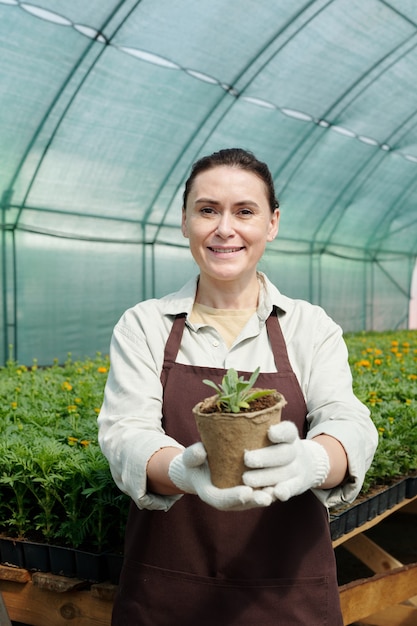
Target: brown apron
{"x":273,"y":566}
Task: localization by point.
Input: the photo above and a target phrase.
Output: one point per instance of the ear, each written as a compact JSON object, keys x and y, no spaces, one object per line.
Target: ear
{"x":184,"y":228}
{"x":273,"y":226}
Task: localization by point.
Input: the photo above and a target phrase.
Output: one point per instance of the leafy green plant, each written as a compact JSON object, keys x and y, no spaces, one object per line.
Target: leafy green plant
{"x":102,"y":501}
{"x":235,"y":393}
{"x":55,"y":481}
{"x":384,"y":370}
{"x":46,"y":485}
{"x":16,"y":499}
{"x":50,"y":460}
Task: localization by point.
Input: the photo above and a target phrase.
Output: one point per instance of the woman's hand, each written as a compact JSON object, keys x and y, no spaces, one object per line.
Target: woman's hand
{"x":291,"y":466}
{"x":190,"y":472}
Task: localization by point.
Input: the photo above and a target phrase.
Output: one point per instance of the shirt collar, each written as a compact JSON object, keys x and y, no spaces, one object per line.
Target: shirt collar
{"x":181,"y":301}
{"x":269,"y":296}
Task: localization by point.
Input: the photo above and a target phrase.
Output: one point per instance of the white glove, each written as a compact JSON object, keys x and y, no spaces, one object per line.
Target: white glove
{"x":289,"y":467}
{"x":190,"y":472}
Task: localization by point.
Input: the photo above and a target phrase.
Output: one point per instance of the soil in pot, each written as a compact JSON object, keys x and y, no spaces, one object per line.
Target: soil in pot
{"x":226,"y":436}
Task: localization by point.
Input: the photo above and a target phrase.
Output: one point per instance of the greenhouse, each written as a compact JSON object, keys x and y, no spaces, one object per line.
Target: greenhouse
{"x":104,"y":107}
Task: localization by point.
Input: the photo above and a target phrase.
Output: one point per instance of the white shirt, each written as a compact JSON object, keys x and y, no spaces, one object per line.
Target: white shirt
{"x":130,"y":429}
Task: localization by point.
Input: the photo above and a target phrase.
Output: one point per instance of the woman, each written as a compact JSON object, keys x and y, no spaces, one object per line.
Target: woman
{"x":196,"y":554}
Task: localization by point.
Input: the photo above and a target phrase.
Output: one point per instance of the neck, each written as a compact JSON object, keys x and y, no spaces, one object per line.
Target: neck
{"x":228,"y":295}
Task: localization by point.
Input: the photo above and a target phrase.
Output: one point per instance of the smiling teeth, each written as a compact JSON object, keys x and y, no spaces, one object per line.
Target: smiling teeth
{"x":225,"y":250}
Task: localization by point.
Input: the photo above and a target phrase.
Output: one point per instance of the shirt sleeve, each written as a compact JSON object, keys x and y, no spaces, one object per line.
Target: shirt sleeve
{"x":130,"y":420}
{"x":334,"y":410}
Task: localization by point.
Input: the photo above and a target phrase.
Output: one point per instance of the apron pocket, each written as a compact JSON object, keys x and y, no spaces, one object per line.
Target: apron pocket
{"x":150,"y":596}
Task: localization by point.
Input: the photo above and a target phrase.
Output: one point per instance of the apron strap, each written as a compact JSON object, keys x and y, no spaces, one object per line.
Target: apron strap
{"x":172,"y":345}
{"x":279,"y":348}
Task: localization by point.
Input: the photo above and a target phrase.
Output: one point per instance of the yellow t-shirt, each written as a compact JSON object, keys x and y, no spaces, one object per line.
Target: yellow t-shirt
{"x":228,"y":322}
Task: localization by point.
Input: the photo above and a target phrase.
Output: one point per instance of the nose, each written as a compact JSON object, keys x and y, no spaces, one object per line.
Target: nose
{"x":224,"y":226}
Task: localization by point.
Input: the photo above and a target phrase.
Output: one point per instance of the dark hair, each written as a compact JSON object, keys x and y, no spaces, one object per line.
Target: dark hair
{"x":234,"y":157}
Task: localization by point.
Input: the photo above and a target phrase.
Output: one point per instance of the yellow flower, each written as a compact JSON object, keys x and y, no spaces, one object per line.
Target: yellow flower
{"x":78,"y":401}
{"x":381,"y":430}
{"x":13,"y":405}
{"x":97,"y":410}
{"x":102,"y":370}
{"x":72,"y":441}
{"x":394,"y":343}
{"x":377,"y":362}
{"x":71,"y":408}
{"x":84,"y":443}
{"x":412,"y":376}
{"x":364,"y":363}
{"x":66,"y":386}
{"x":408,"y":402}
{"x":391,"y":420}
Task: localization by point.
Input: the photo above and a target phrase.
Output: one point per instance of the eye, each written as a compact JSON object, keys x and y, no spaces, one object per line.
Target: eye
{"x":207,"y":210}
{"x":245,"y":212}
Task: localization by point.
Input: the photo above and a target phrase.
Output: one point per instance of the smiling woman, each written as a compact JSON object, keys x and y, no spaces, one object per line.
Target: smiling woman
{"x":238,"y":555}
{"x":228,"y":222}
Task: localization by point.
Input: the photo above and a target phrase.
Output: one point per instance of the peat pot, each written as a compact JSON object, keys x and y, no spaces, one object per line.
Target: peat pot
{"x":226,"y":436}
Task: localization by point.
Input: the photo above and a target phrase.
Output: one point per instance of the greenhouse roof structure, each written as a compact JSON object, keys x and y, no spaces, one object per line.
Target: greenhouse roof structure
{"x":104,"y":106}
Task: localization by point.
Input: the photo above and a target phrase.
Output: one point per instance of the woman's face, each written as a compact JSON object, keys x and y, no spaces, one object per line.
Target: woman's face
{"x":228,"y":222}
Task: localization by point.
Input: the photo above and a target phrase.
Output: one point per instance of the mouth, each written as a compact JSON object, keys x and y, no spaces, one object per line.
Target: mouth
{"x":225,"y":250}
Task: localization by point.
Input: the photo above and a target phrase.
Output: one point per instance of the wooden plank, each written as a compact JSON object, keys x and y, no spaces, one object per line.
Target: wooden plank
{"x":411,"y":507}
{"x":14,"y":573}
{"x":373,"y":522}
{"x":399,"y":615}
{"x":362,"y":598}
{"x":375,"y":557}
{"x":104,"y":591}
{"x":367,"y":551}
{"x":35,"y":606}
{"x":61,"y":584}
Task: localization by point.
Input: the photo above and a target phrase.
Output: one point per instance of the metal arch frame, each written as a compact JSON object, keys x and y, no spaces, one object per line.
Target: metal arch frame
{"x":374,"y":261}
{"x":57,"y":98}
{"x":403,"y":127}
{"x":10,"y":328}
{"x":405,"y":192}
{"x":315,"y":238}
{"x":329,"y":111}
{"x":343,"y":98}
{"x":213,"y":110}
{"x":210,"y":115}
